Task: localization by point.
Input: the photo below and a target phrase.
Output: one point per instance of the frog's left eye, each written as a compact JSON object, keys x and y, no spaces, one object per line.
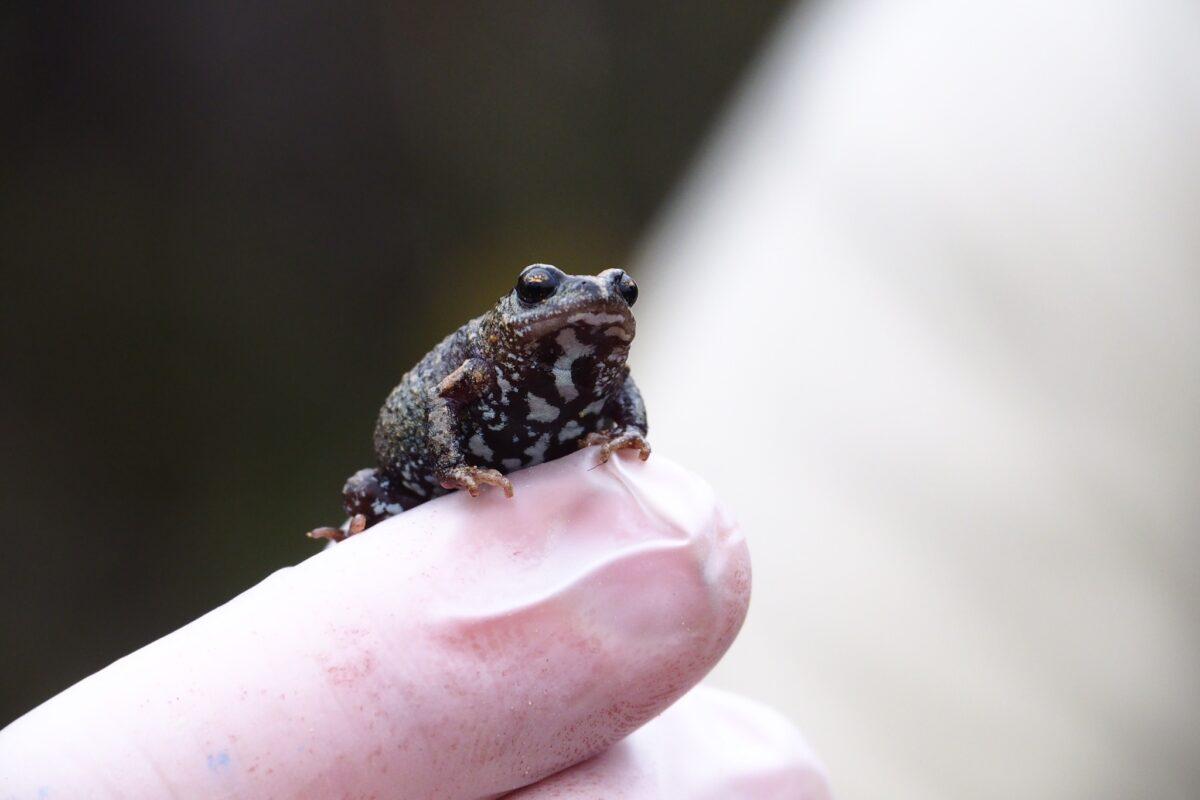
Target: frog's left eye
{"x":537,"y":282}
{"x":626,"y":287}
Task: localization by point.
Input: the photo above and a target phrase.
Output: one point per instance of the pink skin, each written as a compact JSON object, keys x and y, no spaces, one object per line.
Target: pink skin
{"x":463,"y":649}
{"x":711,"y":745}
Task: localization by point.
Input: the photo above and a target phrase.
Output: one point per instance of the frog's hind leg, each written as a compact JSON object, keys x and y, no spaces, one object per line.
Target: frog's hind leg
{"x":368,"y":498}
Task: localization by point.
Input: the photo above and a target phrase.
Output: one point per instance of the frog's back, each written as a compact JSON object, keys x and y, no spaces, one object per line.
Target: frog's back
{"x":401,"y":432}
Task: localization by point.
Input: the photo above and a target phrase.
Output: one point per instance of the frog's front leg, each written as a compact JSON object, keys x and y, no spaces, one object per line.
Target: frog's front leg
{"x":629,"y":426}
{"x":464,"y":385}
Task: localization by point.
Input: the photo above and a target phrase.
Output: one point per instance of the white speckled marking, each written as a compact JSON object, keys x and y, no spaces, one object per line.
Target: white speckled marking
{"x":537,"y":450}
{"x":617,"y":331}
{"x":594,"y":319}
{"x":479,"y":447}
{"x":540,"y":410}
{"x":592,"y":408}
{"x":511,"y":463}
{"x":572,"y":350}
{"x":505,"y":387}
{"x":572,"y":430}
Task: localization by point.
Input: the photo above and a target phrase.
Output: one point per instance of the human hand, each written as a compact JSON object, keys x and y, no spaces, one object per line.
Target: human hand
{"x":463,"y":649}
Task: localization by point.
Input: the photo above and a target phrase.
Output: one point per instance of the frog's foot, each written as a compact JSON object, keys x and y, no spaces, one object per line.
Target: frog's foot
{"x":357,"y":524}
{"x":470,"y":478}
{"x":368,"y":497}
{"x":332,"y":534}
{"x":612,"y":441}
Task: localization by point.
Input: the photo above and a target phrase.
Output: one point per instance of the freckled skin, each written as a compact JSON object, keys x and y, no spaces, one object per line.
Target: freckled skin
{"x":539,"y":375}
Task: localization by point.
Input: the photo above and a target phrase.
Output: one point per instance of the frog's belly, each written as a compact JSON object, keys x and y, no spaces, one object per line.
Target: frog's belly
{"x":526,"y":431}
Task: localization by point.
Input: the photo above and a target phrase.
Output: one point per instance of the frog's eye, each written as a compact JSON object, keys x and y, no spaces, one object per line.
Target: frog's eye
{"x":626,"y":287}
{"x":537,"y":282}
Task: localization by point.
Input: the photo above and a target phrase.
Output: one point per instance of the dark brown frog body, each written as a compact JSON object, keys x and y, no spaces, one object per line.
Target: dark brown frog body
{"x":536,"y":377}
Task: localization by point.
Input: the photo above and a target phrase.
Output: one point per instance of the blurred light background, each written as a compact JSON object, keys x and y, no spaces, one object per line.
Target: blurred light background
{"x":925,"y":308}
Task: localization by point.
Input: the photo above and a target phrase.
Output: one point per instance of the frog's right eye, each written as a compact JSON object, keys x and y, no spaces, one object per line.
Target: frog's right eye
{"x":537,"y":282}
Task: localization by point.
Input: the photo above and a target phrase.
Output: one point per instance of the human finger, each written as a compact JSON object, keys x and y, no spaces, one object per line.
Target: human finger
{"x":711,"y":745}
{"x":462,"y":649}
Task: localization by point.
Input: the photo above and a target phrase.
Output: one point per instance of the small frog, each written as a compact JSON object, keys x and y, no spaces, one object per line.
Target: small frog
{"x":539,"y":375}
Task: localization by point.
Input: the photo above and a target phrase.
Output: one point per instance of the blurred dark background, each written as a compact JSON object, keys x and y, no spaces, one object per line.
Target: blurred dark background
{"x":229,"y":228}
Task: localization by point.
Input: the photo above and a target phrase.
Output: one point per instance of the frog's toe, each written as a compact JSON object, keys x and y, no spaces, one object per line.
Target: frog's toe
{"x":496,"y":478}
{"x":356,"y":524}
{"x":470,"y":478}
{"x":593,"y":439}
{"x":610,"y":443}
{"x":461,"y":479}
{"x":332,"y":534}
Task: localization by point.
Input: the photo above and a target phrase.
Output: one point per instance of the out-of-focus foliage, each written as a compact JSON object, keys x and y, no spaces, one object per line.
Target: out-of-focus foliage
{"x":228,"y":229}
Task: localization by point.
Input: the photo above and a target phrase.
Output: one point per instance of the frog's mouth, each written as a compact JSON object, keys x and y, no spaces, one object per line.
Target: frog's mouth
{"x":611,"y":318}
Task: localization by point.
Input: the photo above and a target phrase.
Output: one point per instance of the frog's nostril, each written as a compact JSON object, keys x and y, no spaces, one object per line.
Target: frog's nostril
{"x":591,"y":288}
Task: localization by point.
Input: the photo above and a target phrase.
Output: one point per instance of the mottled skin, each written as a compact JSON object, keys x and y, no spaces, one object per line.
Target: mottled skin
{"x":536,"y":377}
